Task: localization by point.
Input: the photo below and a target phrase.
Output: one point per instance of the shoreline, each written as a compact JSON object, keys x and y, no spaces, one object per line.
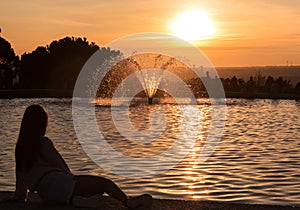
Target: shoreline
{"x":52,"y":93}
{"x":34,"y":93}
{"x":158,"y":204}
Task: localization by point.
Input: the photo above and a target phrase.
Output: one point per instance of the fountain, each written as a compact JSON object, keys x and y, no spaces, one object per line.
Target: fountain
{"x":149,"y":70}
{"x":150,"y":78}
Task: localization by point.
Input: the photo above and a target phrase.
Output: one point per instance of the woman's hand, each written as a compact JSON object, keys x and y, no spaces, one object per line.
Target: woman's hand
{"x":19,"y":199}
{"x":21,"y":194}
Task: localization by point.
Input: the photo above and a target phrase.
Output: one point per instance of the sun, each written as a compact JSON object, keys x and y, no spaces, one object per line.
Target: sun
{"x":193,"y":25}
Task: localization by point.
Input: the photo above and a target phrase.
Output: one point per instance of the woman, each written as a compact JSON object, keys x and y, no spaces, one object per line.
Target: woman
{"x":39,"y":167}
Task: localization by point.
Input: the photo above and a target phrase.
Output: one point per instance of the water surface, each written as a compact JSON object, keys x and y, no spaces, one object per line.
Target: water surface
{"x":257,"y":160}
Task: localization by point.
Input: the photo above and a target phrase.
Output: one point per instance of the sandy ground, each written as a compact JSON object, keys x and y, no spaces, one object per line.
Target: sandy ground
{"x":158,"y":204}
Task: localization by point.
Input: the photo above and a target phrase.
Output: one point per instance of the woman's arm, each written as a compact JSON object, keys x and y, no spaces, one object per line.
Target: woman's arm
{"x":52,"y":156}
{"x":21,"y":191}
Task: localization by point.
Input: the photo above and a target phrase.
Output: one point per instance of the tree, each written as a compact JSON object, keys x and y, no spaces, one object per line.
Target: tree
{"x":241,"y":84}
{"x":268,"y":84}
{"x":234,"y":84}
{"x":58,"y":65}
{"x":226,"y":84}
{"x":297,"y":88}
{"x":35,"y":69}
{"x":67,"y":57}
{"x":196,"y":86}
{"x":8,"y":64}
{"x":251,"y":85}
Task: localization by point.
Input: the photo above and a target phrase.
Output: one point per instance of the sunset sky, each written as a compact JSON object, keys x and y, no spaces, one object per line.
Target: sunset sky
{"x":247,"y":33}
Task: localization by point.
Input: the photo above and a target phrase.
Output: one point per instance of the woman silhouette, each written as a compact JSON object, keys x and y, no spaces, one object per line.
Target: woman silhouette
{"x":40,"y":167}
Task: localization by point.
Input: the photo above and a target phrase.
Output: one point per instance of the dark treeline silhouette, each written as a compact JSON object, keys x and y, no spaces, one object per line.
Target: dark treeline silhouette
{"x":9,"y":64}
{"x":55,"y":66}
{"x":254,"y":85}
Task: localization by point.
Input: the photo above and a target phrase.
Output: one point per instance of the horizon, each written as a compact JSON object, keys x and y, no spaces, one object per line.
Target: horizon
{"x":244,"y":34}
{"x":288,"y":65}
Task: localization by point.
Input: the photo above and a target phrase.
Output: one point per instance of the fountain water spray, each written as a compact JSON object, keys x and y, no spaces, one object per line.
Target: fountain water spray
{"x":120,"y":77}
{"x":150,"y":78}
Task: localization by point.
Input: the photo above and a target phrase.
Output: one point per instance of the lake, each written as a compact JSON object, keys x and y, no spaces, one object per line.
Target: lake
{"x":256,"y":161}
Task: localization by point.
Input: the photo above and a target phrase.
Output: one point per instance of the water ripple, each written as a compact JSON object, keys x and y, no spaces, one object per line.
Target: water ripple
{"x":257,"y":160}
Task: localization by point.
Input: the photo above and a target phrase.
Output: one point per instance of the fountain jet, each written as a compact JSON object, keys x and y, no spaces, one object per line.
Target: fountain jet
{"x":150,"y":78}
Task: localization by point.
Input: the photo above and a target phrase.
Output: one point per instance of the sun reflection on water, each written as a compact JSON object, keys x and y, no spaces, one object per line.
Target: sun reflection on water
{"x":257,"y":160}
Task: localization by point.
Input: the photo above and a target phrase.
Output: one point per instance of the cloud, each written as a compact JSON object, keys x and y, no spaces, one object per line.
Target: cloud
{"x":229,"y":37}
{"x":71,"y":23}
{"x":292,"y":36}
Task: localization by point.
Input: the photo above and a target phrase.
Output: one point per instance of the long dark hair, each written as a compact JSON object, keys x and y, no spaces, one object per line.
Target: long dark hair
{"x":33,"y":127}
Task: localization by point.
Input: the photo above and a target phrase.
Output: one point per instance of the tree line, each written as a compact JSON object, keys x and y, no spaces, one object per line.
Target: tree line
{"x":259,"y":84}
{"x":57,"y":65}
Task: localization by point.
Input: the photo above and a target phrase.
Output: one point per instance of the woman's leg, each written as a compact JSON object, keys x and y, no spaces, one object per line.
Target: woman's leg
{"x":88,"y":185}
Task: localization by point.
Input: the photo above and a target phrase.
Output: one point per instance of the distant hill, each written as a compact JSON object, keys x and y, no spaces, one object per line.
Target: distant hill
{"x":291,"y":73}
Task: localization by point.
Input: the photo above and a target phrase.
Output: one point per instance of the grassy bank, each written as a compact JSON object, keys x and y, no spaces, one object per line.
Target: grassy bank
{"x":34,"y":93}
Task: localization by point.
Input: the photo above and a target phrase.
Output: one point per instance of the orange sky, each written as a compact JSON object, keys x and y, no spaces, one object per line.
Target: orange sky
{"x":248,"y":33}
